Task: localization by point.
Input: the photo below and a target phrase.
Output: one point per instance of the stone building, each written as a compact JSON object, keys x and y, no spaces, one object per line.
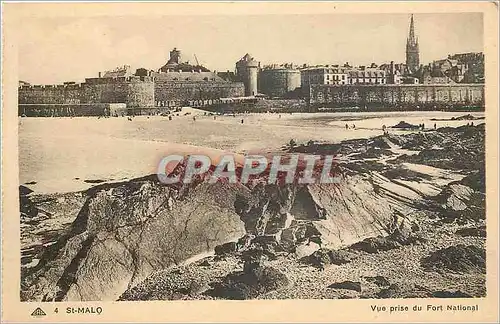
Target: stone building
{"x":247,"y":70}
{"x":367,"y":75}
{"x":175,"y":64}
{"x":474,"y":66}
{"x":119,"y":72}
{"x":432,"y":74}
{"x":451,"y":68}
{"x":328,"y":74}
{"x":462,"y":68}
{"x":279,"y":80}
{"x":394,"y":72}
{"x":228,"y":76}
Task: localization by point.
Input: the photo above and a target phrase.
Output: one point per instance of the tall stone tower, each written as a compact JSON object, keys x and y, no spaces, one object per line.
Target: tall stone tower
{"x":412,"y":52}
{"x":247,"y":69}
{"x":175,"y":56}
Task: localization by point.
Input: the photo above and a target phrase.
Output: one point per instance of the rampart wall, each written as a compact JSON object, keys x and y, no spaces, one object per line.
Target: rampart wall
{"x":169,"y":92}
{"x":279,"y":82}
{"x":50,"y":94}
{"x":426,"y":96}
{"x":134,"y":92}
{"x":68,"y":110}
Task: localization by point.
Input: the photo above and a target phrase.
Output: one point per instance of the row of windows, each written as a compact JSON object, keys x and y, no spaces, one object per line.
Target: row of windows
{"x":368,"y":74}
{"x":336,"y":82}
{"x":189,"y":79}
{"x":336,"y":77}
{"x":344,"y":81}
{"x":324,"y":71}
{"x":317,"y":76}
{"x":375,"y":81}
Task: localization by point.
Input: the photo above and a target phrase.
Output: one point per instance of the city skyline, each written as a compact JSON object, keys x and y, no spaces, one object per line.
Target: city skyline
{"x":58,"y":50}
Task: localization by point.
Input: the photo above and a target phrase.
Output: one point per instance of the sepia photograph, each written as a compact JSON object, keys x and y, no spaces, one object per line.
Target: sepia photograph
{"x":256,"y":156}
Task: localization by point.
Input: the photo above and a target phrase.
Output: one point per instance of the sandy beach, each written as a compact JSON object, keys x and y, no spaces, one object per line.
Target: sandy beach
{"x":60,"y":154}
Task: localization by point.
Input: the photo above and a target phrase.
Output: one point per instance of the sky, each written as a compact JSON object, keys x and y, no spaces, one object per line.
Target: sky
{"x":55,"y":50}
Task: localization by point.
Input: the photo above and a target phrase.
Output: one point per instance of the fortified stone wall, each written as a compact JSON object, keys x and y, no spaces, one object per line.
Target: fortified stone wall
{"x":110,"y":92}
{"x":135,"y":92}
{"x":140,"y":94}
{"x":66,"y":110}
{"x":184,"y":91}
{"x":50,"y":94}
{"x":279,"y":82}
{"x":401,"y":96}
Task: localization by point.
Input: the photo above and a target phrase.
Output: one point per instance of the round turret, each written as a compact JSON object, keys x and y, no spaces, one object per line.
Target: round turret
{"x":247,"y":69}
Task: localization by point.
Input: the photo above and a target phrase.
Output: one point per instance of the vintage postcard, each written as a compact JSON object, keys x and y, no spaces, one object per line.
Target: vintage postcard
{"x":250,"y":162}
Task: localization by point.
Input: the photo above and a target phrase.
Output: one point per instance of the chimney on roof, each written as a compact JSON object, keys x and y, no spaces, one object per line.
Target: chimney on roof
{"x":99,"y":74}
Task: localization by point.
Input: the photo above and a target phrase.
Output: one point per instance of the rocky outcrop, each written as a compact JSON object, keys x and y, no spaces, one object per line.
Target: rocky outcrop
{"x":460,"y":142}
{"x":379,"y":281}
{"x":479,"y":231}
{"x":255,"y":279}
{"x":458,"y":258}
{"x":348,"y":285}
{"x":404,"y":125}
{"x":464,"y":200}
{"x":128,"y":230}
{"x":324,"y":257}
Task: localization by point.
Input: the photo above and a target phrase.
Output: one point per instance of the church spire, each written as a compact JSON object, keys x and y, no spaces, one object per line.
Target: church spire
{"x":411,"y":37}
{"x":412,"y":51}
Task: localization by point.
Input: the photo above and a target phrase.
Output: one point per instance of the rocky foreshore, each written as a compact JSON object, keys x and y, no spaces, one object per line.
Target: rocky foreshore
{"x":406,"y":220}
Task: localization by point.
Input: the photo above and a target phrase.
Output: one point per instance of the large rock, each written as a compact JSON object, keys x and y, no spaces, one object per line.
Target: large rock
{"x":128,"y":230}
{"x":324,"y":257}
{"x":380,"y":281}
{"x":376,"y":244}
{"x":348,"y":285}
{"x":338,"y":213}
{"x":255,"y":279}
{"x":458,"y":259}
{"x":479,"y":231}
{"x":464,"y":200}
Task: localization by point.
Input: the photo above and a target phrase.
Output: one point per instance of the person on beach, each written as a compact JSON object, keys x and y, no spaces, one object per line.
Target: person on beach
{"x":346,"y":126}
{"x":435,"y":126}
{"x":242,"y":121}
{"x":353,"y":126}
{"x":384,"y":129}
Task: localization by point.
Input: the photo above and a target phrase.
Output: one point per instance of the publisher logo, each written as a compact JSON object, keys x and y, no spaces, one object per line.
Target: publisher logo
{"x":38,"y":312}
